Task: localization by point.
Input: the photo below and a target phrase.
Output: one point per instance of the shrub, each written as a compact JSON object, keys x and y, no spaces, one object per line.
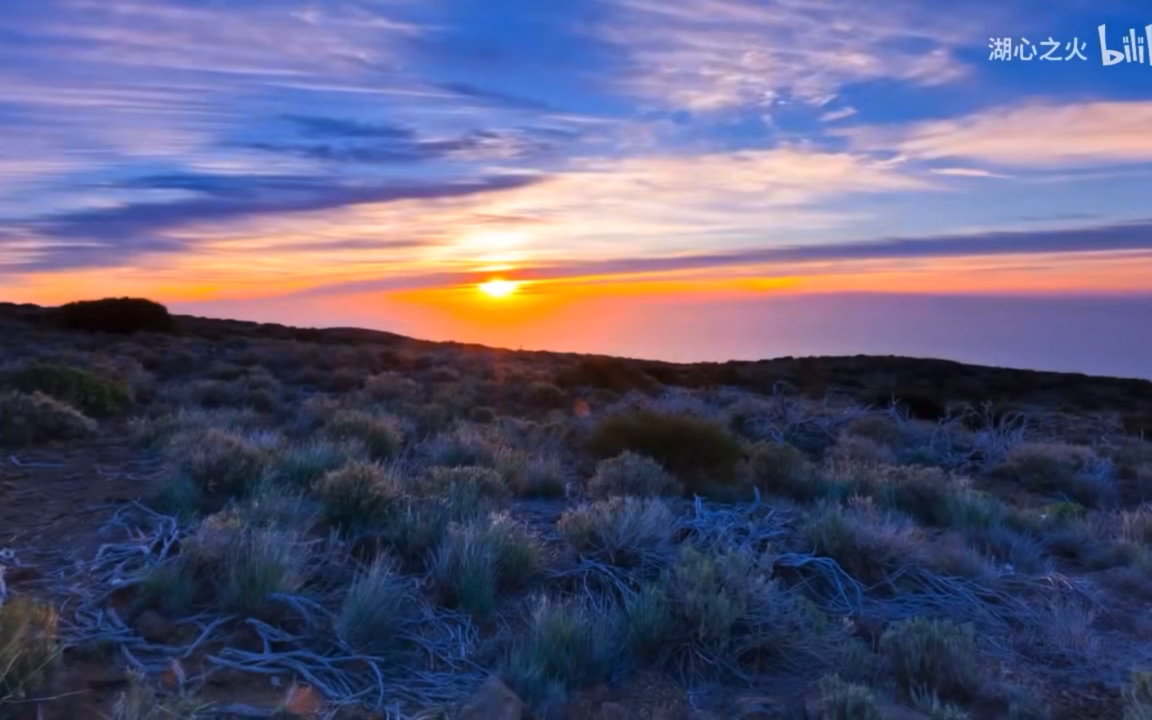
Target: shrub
{"x":28,"y":647}
{"x":465,"y":491}
{"x":866,"y":543}
{"x":624,"y":531}
{"x":649,"y":616}
{"x":607,"y":373}
{"x":532,"y":475}
{"x":89,"y":393}
{"x":300,"y":466}
{"x":478,"y":560}
{"x":419,"y":526}
{"x":169,"y":587}
{"x":545,"y":395}
{"x":840,"y":700}
{"x":882,"y":429}
{"x":382,"y":436}
{"x":219,"y":461}
{"x":391,"y":386}
{"x":379,"y":607}
{"x":632,"y":474}
{"x":37,"y":418}
{"x":1138,"y":696}
{"x":463,"y":446}
{"x":178,"y":496}
{"x":359,"y":495}
{"x":568,"y":644}
{"x":700,"y":453}
{"x":116,"y":315}
{"x":935,"y":499}
{"x":938,"y":656}
{"x":780,"y":469}
{"x":1058,"y":468}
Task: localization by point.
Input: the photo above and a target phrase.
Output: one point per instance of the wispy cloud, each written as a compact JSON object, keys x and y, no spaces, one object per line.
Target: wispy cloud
{"x":710,"y":55}
{"x":783,"y":260}
{"x":1033,"y":135}
{"x":116,"y":235}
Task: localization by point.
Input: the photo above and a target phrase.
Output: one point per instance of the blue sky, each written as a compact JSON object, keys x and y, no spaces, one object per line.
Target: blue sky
{"x":194,"y":149}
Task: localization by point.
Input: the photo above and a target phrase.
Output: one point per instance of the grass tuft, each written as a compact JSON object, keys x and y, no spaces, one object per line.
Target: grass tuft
{"x":1138,"y":696}
{"x":842,"y":700}
{"x":219,"y":462}
{"x":380,"y":604}
{"x":359,"y":495}
{"x":568,"y":644}
{"x":381,"y":435}
{"x":28,"y":647}
{"x":480,"y":559}
{"x":623,"y":531}
{"x":937,"y":656}
{"x":631,"y":474}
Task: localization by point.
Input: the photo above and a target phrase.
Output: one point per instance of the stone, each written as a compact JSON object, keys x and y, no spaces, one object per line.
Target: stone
{"x":154,"y":627}
{"x":494,"y":701}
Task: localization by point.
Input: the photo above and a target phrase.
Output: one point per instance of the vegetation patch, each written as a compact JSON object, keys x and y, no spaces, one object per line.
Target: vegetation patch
{"x":937,"y":656}
{"x":631,"y":474}
{"x":28,"y":419}
{"x":91,"y":394}
{"x":28,"y":647}
{"x":700,"y":453}
{"x":116,"y":315}
{"x":359,"y":495}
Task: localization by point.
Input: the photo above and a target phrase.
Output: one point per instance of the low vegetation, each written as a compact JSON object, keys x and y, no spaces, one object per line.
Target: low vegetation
{"x":383,"y":522}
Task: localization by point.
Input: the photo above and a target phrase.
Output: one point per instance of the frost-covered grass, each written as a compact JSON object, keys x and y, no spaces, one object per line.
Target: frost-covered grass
{"x":394,"y":522}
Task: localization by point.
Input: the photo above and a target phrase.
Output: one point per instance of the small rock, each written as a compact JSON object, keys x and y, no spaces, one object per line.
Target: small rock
{"x":494,"y":701}
{"x":154,"y":627}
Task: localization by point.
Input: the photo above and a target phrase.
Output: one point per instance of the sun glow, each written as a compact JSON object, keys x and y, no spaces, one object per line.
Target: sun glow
{"x":498,"y":288}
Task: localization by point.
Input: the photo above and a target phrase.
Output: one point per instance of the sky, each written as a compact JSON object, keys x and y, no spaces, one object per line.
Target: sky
{"x":681,"y":179}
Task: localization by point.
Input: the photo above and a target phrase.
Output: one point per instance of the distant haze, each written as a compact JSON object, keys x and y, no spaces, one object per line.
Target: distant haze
{"x":1091,"y":334}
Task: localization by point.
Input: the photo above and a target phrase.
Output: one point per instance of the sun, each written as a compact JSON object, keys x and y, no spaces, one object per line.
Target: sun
{"x":498,"y":288}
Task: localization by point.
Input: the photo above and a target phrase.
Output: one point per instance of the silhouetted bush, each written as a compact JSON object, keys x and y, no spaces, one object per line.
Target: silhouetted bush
{"x":116,"y":315}
{"x":698,"y":452}
{"x":91,"y":394}
{"x":608,"y":373}
{"x":917,"y":403}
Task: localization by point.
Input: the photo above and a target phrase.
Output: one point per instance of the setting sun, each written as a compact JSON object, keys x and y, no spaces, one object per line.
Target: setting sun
{"x":498,"y":288}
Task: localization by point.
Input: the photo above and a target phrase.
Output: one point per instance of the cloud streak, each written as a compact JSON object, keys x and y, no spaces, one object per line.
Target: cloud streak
{"x":112,"y":236}
{"x":1037,"y":135}
{"x":1121,"y":238}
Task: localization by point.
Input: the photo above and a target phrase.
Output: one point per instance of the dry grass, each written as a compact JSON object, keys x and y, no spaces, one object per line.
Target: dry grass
{"x":28,"y":647}
{"x":423,"y":505}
